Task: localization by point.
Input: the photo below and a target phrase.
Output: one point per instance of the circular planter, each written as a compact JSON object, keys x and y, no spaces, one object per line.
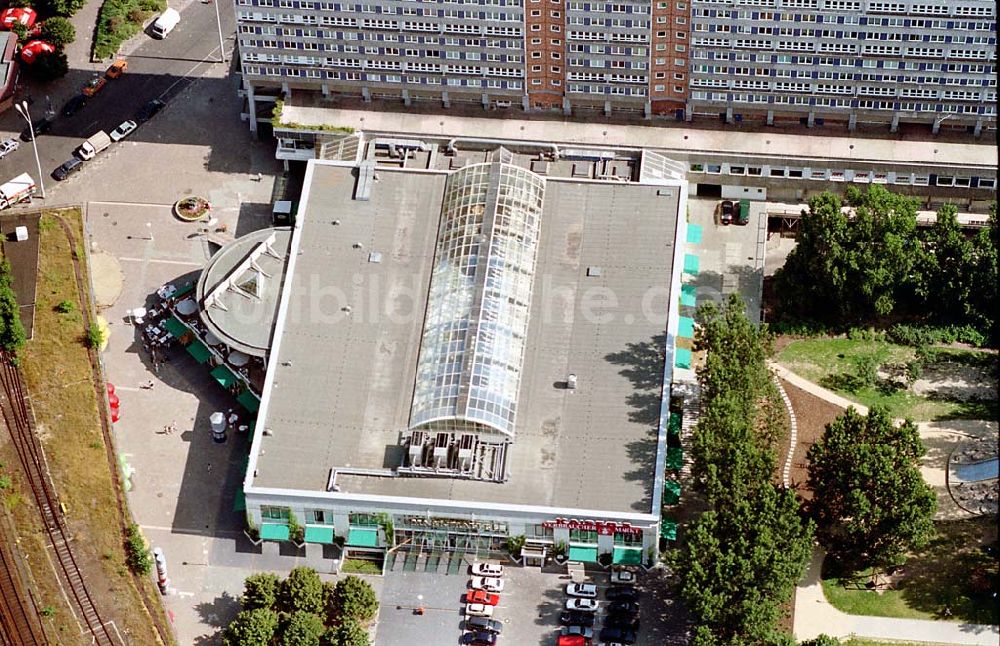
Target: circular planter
{"x":191,"y":209}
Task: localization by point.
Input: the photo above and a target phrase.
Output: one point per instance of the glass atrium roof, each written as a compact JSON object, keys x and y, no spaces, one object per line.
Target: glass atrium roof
{"x":469,"y":368}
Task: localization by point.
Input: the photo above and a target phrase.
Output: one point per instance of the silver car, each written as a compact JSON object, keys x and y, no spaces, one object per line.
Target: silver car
{"x":7,"y":146}
{"x":123,"y":130}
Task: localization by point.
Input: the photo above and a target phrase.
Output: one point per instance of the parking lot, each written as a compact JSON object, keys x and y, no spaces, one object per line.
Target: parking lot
{"x":529,"y":607}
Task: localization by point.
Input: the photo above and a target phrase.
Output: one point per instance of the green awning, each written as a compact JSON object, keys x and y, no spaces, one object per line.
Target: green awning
{"x":273,"y":532}
{"x":682,"y":357}
{"x":249,"y":401}
{"x":689,"y":296}
{"x":691,"y":264}
{"x":694,"y":234}
{"x":675,"y":458}
{"x":671,"y":492}
{"x":583,"y":553}
{"x":184,"y":289}
{"x":362,"y":537}
{"x":319,"y":534}
{"x":222,"y":374}
{"x":685,"y":327}
{"x":250,"y":431}
{"x":198,"y":350}
{"x":668,"y":529}
{"x":175,"y":327}
{"x":240,"y":503}
{"x":674,"y":425}
{"x":627,"y":555}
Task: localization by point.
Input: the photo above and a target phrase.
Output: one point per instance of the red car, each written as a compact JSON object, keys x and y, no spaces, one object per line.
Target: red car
{"x":13,"y":15}
{"x":482,"y":596}
{"x":31,"y":51}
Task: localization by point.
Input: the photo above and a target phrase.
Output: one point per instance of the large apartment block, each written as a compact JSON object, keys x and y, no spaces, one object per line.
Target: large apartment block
{"x":814,"y":61}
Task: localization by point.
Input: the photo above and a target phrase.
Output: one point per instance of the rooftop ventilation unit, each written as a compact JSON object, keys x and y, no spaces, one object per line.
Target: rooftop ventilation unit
{"x":441,"y":450}
{"x":416,"y":448}
{"x":466,"y":448}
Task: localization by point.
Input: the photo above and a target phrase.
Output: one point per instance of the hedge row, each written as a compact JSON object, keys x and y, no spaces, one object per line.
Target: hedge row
{"x":119,"y":20}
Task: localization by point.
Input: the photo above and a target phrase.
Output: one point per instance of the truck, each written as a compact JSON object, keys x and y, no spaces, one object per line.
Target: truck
{"x":165,"y":23}
{"x":95,"y":144}
{"x":20,"y":188}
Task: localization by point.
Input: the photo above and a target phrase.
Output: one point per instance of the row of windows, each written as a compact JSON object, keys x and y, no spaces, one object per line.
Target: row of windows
{"x":847,"y":175}
{"x":782,"y":72}
{"x":970,"y":9}
{"x":852,"y":103}
{"x":702,"y":27}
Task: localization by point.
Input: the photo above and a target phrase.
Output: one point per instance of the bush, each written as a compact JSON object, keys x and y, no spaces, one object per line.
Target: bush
{"x":302,"y":629}
{"x":354,"y":598}
{"x":302,"y":590}
{"x":348,"y":633}
{"x":12,"y":335}
{"x":58,"y":31}
{"x":94,"y":337}
{"x":20,"y":31}
{"x":822,"y":640}
{"x":49,"y":67}
{"x":923,"y":335}
{"x":252,"y":628}
{"x":137,"y":555}
{"x":65,"y":307}
{"x":63,"y":7}
{"x":119,"y":20}
{"x":514,"y":545}
{"x":260,"y":590}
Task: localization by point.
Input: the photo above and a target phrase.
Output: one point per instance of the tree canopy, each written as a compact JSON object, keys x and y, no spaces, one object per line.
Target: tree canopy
{"x":870,"y":501}
{"x":740,"y":560}
{"x":59,"y":31}
{"x":255,"y":627}
{"x":853,"y":270}
{"x":302,"y":590}
{"x":302,"y":629}
{"x":354,"y":599}
{"x":12,"y":334}
{"x":260,"y":590}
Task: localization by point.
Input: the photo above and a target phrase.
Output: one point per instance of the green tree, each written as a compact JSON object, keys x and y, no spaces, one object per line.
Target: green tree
{"x":63,"y":7}
{"x":49,"y":66}
{"x":260,"y":590}
{"x":20,"y":31}
{"x":870,"y":501}
{"x":740,"y":562}
{"x":355,"y":599}
{"x":302,"y":590}
{"x":252,"y":628}
{"x":302,"y":629}
{"x":12,"y":335}
{"x":984,"y":304}
{"x":59,"y":31}
{"x":348,"y":633}
{"x":947,"y":271}
{"x":822,"y":640}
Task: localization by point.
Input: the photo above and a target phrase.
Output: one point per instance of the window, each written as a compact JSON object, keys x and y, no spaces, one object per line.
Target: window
{"x":319,"y":517}
{"x":363,"y":520}
{"x":582,"y":536}
{"x":271,"y":512}
{"x":628,"y":538}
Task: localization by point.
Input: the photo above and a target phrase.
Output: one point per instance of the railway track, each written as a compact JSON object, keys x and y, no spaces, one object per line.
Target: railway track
{"x":29,"y":451}
{"x":20,"y":624}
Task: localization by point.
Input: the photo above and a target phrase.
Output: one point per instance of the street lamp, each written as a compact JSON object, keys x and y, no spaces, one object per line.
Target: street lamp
{"x":218,"y":22}
{"x":22,"y":109}
{"x":149,"y":230}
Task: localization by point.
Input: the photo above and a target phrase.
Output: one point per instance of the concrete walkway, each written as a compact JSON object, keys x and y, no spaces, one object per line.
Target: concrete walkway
{"x":814,"y":615}
{"x":815,"y":389}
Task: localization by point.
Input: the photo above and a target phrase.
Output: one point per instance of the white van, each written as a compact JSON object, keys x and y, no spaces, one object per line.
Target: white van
{"x":165,"y":23}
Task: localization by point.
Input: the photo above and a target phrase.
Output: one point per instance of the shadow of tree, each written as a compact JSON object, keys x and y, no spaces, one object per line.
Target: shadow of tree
{"x":642,"y":364}
{"x":220,"y":611}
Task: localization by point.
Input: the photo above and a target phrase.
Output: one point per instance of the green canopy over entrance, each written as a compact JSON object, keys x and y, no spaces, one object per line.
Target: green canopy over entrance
{"x":319,"y":534}
{"x":685,"y":327}
{"x":224,"y":376}
{"x":273,"y":532}
{"x":583,"y":553}
{"x":689,"y":296}
{"x":362,"y":537}
{"x":249,"y":401}
{"x":627,"y":555}
{"x":668,"y":529}
{"x":198,"y":350}
{"x":674,"y":425}
{"x":675,"y":458}
{"x":175,"y":327}
{"x":682,"y":358}
{"x":671,"y":492}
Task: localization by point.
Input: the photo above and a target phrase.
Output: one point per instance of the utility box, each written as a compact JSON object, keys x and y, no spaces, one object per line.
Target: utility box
{"x":283,"y":213}
{"x":21,"y":234}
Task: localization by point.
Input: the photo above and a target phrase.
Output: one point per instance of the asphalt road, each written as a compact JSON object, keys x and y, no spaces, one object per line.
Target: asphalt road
{"x":157,"y":69}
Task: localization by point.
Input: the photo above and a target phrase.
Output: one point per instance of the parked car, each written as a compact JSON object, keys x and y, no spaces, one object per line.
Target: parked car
{"x":482,"y":623}
{"x":726,"y":215}
{"x":587,"y":590}
{"x":576,"y":618}
{"x":478,"y":610}
{"x":584,"y":631}
{"x":487,"y":569}
{"x":620,"y":635}
{"x":488,"y":583}
{"x":623,"y":607}
{"x":621,"y":593}
{"x":743,"y":213}
{"x":621,"y":576}
{"x":74,"y":105}
{"x":583,"y":605}
{"x":66,"y":169}
{"x":624,"y":621}
{"x":123,"y":130}
{"x":149,"y":110}
{"x":481,"y":638}
{"x":94,"y":86}
{"x":7,"y":146}
{"x":117,"y":69}
{"x":482,"y":596}
{"x":41,"y":126}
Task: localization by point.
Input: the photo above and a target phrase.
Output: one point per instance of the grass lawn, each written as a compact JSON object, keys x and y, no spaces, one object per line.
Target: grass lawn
{"x":938,"y":576}
{"x":831,"y":362}
{"x":57,"y":368}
